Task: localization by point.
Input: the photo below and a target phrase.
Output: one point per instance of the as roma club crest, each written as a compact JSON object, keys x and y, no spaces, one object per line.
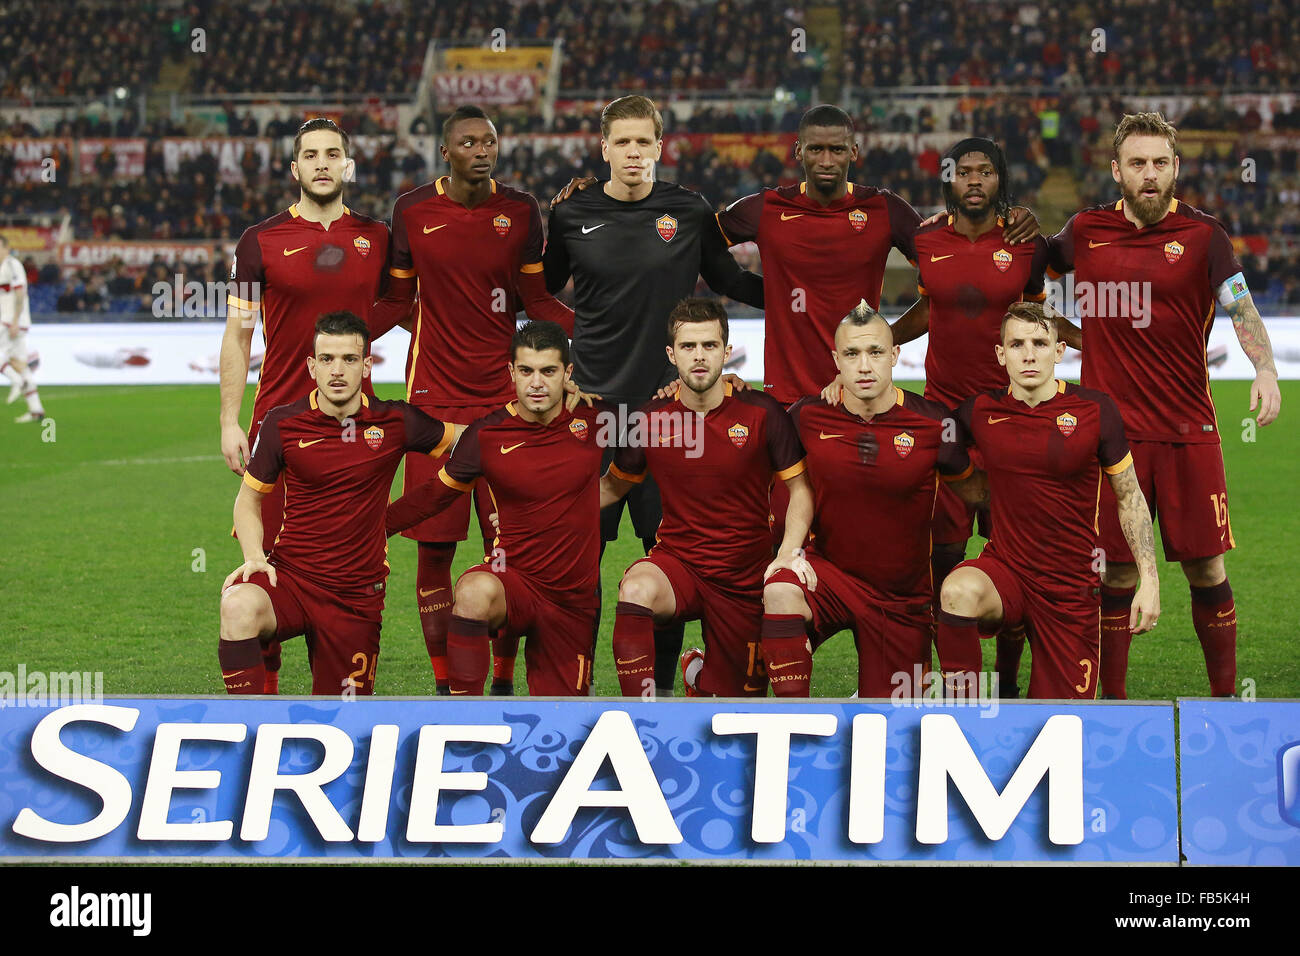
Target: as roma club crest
{"x":1066,"y":423}
{"x":666,"y":227}
{"x":363,"y":245}
{"x":857,"y":219}
{"x":903,"y":444}
{"x":374,"y":436}
{"x":739,"y":434}
{"x":579,"y":429}
{"x":1002,"y":259}
{"x":501,"y":224}
{"x":1173,"y":251}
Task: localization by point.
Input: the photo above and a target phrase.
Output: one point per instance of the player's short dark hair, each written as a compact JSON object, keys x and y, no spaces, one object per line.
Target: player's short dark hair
{"x":1145,"y":124}
{"x":977,"y":144}
{"x":342,"y":322}
{"x":631,"y":107}
{"x":319,"y":122}
{"x":461,"y":113}
{"x":825,"y":115}
{"x":697,"y":309}
{"x":1031,"y":312}
{"x":540,"y":335}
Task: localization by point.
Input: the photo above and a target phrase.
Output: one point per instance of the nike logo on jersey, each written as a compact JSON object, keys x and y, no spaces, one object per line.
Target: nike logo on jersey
{"x":934,"y":258}
{"x":429,"y":229}
{"x":784,"y":217}
{"x":777,"y":667}
{"x":587,"y":229}
{"x":633,"y":660}
{"x":1094,"y":245}
{"x":824,"y":436}
{"x":308,"y":444}
{"x":424,"y":593}
{"x":994,"y":421}
{"x":506,"y":451}
{"x":289,"y":252}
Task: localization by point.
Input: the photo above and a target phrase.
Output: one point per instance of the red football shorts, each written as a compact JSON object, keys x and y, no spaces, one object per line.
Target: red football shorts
{"x":730,"y":621}
{"x":452,"y":523}
{"x":1064,"y":630}
{"x":892,"y":636}
{"x":557,"y":652}
{"x":341,"y":628}
{"x":1185,"y":486}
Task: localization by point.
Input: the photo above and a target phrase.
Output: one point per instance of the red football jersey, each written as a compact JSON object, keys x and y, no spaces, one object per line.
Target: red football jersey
{"x":467,"y":262}
{"x":1045,"y":469}
{"x":545,"y":482}
{"x":970,"y":284}
{"x":1151,"y":361}
{"x":874,"y":484}
{"x":337,"y":476}
{"x":294,"y":271}
{"x":818,"y":262}
{"x":713,"y":479}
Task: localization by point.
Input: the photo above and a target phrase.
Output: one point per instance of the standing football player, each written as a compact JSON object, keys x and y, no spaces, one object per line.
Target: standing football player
{"x":15,"y":321}
{"x":1148,"y":271}
{"x":472,"y":247}
{"x":317,"y":256}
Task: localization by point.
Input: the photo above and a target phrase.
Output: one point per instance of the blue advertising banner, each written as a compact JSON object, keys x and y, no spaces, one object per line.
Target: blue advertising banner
{"x":1240,"y":787}
{"x":422,"y":780}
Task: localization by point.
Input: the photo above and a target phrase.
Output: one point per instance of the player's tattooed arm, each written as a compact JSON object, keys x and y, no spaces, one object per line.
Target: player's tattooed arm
{"x":236,"y":347}
{"x":1254,"y":340}
{"x":613,"y":489}
{"x":913,"y":323}
{"x":973,"y":489}
{"x":1135,"y":521}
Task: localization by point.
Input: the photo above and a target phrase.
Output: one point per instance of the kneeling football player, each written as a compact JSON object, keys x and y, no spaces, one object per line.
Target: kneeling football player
{"x":713,"y":453}
{"x":337,"y":450}
{"x":542,"y":464}
{"x":1046,"y":445}
{"x":874,"y":461}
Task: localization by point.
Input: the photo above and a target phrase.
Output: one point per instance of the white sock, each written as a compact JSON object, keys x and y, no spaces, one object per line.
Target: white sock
{"x":13,"y":374}
{"x":693,"y":670}
{"x":34,"y":401}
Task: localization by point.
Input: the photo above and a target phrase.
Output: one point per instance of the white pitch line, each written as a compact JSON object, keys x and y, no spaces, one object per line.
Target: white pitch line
{"x":119,"y":461}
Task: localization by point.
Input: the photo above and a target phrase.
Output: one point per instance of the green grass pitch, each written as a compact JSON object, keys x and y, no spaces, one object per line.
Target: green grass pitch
{"x":116,"y":541}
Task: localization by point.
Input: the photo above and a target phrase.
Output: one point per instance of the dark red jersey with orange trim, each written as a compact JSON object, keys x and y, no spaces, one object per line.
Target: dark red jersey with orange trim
{"x":970,"y":284}
{"x":1146,"y":300}
{"x":1045,"y":466}
{"x":294,"y":271}
{"x":545,"y":483}
{"x":713,"y":476}
{"x":337,"y":477}
{"x":818,"y":262}
{"x":467,"y":262}
{"x":874,"y":484}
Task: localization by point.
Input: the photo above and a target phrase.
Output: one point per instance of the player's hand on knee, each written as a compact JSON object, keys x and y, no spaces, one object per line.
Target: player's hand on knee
{"x":832,"y":393}
{"x":797,"y":562}
{"x":575,"y":395}
{"x":1265,"y":393}
{"x":246,"y":570}
{"x":567,"y":191}
{"x":234,"y":448}
{"x":1022,"y":225}
{"x":1146,"y":608}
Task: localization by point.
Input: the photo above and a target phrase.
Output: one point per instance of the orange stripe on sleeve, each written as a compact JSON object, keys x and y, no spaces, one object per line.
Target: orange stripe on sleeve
{"x":1119,"y":466}
{"x":244,"y":304}
{"x":531,"y":268}
{"x":402,"y":273}
{"x":256,"y":485}
{"x":451,"y":482}
{"x":726,"y":238}
{"x":623,"y":475}
{"x":448,"y":439}
{"x":970,"y":469}
{"x":794,"y":471}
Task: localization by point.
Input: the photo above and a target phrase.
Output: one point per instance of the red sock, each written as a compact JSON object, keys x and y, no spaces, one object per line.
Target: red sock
{"x":434,"y":599}
{"x":1116,"y":638}
{"x":1214,"y":615}
{"x":504,"y":651}
{"x":467,"y":656}
{"x":241,"y":666}
{"x":788,"y":654}
{"x":958,"y":644}
{"x":271,"y":663}
{"x":634,"y":648}
{"x":1010,"y":647}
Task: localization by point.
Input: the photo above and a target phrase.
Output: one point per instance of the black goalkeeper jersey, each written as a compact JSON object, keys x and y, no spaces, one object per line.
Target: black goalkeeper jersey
{"x":631,"y":262}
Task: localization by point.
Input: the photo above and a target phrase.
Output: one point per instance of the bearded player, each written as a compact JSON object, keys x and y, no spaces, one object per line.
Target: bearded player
{"x":1146,"y":348}
{"x":542,"y":463}
{"x":714,"y":462}
{"x":337,"y":451}
{"x":471,"y":247}
{"x":875,"y":461}
{"x":1045,"y":446}
{"x":317,"y":256}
